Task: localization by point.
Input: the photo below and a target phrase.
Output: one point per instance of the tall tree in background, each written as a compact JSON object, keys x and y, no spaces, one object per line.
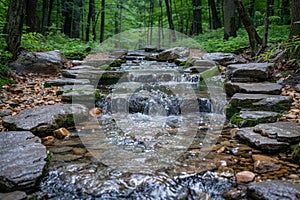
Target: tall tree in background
{"x":45,"y":17}
{"x":229,"y":19}
{"x":252,"y":9}
{"x":67,"y":13}
{"x":15,"y":20}
{"x":266,"y":25}
{"x":286,"y":11}
{"x":32,"y":21}
{"x":216,"y":21}
{"x":170,"y":20}
{"x":76,"y":18}
{"x":90,"y":15}
{"x":254,"y":38}
{"x":50,"y":12}
{"x":197,"y":20}
{"x":102,"y":25}
{"x":295,"y":25}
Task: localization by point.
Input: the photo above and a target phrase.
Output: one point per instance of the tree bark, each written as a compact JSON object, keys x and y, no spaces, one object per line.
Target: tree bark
{"x":32,"y":20}
{"x":197,"y":22}
{"x":216,"y":22}
{"x":286,"y":12}
{"x":170,"y":20}
{"x":252,"y":9}
{"x":45,"y":17}
{"x":67,"y":13}
{"x":15,"y":20}
{"x":229,"y":19}
{"x":50,"y":12}
{"x":102,"y":26}
{"x":90,"y":14}
{"x":254,"y":38}
{"x":76,"y":18}
{"x":266,"y":26}
{"x":295,"y":23}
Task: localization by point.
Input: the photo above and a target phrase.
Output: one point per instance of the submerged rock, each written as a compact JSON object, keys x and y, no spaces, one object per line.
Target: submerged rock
{"x":45,"y":119}
{"x":22,"y":160}
{"x":251,"y":72}
{"x":277,"y":189}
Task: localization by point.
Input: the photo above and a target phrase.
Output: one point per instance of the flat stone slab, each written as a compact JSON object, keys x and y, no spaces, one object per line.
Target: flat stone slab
{"x":251,"y":88}
{"x":69,"y":88}
{"x":252,"y":118}
{"x":251,"y":72}
{"x":173,"y":53}
{"x":263,"y":102}
{"x":44,"y":119}
{"x":282,"y":131}
{"x":22,"y":160}
{"x":264,"y":143}
{"x":275,"y":189}
{"x":16,"y":195}
{"x":224,"y":59}
{"x":66,"y":81}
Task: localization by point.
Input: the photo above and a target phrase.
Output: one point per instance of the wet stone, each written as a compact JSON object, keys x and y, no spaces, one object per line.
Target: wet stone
{"x":251,"y":72}
{"x":22,"y":160}
{"x":252,"y":118}
{"x":276,"y":189}
{"x":66,"y":81}
{"x":245,"y":176}
{"x":264,"y":143}
{"x":282,"y":131}
{"x":65,"y":158}
{"x":16,"y":195}
{"x":224,"y":59}
{"x":61,"y":149}
{"x":263,"y":166}
{"x":172,"y":54}
{"x":262,"y":88}
{"x":43,"y":120}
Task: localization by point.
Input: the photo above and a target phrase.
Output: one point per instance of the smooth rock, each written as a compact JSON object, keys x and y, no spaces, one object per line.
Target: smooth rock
{"x":251,"y":88}
{"x":275,"y":189}
{"x":245,"y":177}
{"x":173,"y":53}
{"x":5,"y":112}
{"x":70,"y":88}
{"x":16,"y":195}
{"x":43,"y":120}
{"x":22,"y":160}
{"x":262,"y":102}
{"x":264,"y":143}
{"x":225,"y":59}
{"x":263,"y":166}
{"x":297,"y":88}
{"x":282,"y":131}
{"x":41,"y":62}
{"x":251,"y":72}
{"x":66,"y":81}
{"x":252,"y":118}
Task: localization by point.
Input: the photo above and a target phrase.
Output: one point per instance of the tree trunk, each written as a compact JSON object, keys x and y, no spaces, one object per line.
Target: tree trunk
{"x":102,"y":26}
{"x":295,"y":23}
{"x":252,"y":9}
{"x":50,"y":12}
{"x":67,"y":13}
{"x":170,"y":20}
{"x":286,"y":12}
{"x":229,"y":19}
{"x":197,"y":22}
{"x":254,"y":38}
{"x":216,"y":22}
{"x":271,"y":4}
{"x":90,"y":14}
{"x":45,"y":17}
{"x":266,"y":26}
{"x":76,"y":18}
{"x":151,"y":21}
{"x":15,"y":20}
{"x":32,"y":20}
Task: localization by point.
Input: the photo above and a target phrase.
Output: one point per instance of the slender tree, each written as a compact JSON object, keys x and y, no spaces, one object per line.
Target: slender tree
{"x":266,"y":26}
{"x":229,"y":19}
{"x":45,"y":17}
{"x":216,"y":21}
{"x":90,"y":15}
{"x":76,"y":18}
{"x":295,"y":26}
{"x":102,"y":26}
{"x":15,"y":20}
{"x":170,"y":20}
{"x":197,"y":20}
{"x":286,"y":11}
{"x":252,"y":9}
{"x":254,"y":38}
{"x":50,"y":12}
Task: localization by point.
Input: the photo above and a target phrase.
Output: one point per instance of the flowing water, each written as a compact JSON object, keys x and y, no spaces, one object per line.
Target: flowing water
{"x":143,"y":145}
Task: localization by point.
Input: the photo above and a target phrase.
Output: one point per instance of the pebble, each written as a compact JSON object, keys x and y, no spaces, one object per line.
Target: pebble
{"x":16,"y":195}
{"x":61,"y":133}
{"x":245,"y":177}
{"x":79,"y":151}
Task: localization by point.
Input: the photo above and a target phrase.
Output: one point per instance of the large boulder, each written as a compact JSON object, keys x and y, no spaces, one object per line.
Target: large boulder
{"x":22,"y":160}
{"x":225,"y":59}
{"x":45,"y":119}
{"x":49,"y":62}
{"x":276,"y":189}
{"x":173,"y":53}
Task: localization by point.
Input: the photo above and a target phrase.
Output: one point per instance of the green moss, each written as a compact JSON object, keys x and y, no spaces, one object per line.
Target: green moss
{"x":117,"y":63}
{"x":105,"y":67}
{"x":231,"y":110}
{"x":295,"y":154}
{"x":70,"y":121}
{"x":248,"y":122}
{"x":97,"y":95}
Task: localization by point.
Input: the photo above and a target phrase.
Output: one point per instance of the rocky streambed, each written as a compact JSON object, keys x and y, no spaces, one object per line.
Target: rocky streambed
{"x":152,"y":133}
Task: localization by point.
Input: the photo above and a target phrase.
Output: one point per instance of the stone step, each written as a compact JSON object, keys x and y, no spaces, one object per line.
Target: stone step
{"x":252,"y":118}
{"x":258,"y":102}
{"x":251,"y":88}
{"x":66,"y":81}
{"x":282,"y":131}
{"x":247,"y":135}
{"x":69,"y":88}
{"x":251,"y":72}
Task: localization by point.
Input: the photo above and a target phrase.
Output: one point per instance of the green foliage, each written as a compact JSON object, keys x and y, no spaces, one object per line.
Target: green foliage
{"x":295,"y":154}
{"x":5,"y":72}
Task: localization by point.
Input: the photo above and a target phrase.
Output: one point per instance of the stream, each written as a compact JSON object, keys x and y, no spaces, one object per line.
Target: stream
{"x":152,"y":140}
